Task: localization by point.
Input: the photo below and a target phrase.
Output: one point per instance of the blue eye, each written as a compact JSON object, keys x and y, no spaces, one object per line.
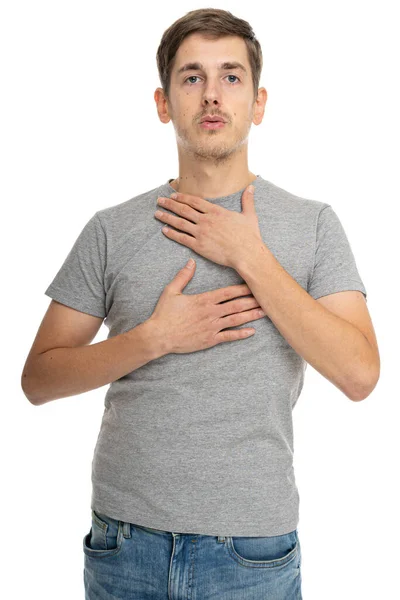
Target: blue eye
{"x":191,"y":77}
{"x":196,"y":77}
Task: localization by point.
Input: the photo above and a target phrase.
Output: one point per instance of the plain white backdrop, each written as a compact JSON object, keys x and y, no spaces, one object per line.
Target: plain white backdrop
{"x":79,"y":133}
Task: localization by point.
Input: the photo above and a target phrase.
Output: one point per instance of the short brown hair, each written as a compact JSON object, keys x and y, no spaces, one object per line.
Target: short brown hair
{"x":213,"y":23}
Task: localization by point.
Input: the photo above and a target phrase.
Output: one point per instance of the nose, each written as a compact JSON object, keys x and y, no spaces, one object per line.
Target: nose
{"x":210,"y":95}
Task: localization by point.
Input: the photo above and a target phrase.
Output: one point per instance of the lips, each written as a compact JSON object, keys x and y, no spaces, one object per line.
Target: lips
{"x":212,"y":120}
{"x":212,"y":124}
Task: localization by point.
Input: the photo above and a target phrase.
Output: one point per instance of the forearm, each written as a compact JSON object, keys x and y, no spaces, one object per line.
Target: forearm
{"x":63,"y":372}
{"x":333,"y":346}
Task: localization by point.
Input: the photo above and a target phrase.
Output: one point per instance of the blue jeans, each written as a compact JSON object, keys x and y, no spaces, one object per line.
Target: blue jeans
{"x":132,"y":562}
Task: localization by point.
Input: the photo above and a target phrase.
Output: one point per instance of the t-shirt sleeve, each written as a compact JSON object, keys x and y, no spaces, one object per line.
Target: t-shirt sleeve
{"x":79,"y":282}
{"x":335,"y":268}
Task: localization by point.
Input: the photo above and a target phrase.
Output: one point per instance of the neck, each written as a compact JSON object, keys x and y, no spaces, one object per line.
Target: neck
{"x":214,"y":186}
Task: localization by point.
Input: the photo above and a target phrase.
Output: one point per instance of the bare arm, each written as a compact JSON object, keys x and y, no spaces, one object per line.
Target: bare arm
{"x":333,"y":346}
{"x":61,"y":372}
{"x":62,"y":363}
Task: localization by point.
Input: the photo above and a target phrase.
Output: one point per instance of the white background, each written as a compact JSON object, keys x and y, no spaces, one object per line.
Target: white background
{"x":79,"y":133}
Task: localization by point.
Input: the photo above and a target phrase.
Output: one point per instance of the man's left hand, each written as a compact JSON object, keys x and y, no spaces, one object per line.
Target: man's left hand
{"x":221,"y":235}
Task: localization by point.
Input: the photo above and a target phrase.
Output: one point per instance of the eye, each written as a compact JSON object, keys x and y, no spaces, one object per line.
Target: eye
{"x":196,"y":76}
{"x":191,"y":77}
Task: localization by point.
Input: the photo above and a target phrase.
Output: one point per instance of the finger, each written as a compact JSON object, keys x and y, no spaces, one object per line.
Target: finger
{"x":195,"y":201}
{"x":177,"y":222}
{"x":227,"y":293}
{"x":183,"y":210}
{"x":181,"y":238}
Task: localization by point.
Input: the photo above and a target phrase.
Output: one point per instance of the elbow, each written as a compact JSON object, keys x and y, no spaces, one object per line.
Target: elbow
{"x":38,"y":398}
{"x":365,"y":385}
{"x":28,"y":396}
{"x":27,"y":392}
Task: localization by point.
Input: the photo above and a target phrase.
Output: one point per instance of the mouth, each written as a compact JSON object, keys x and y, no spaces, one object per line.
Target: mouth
{"x":212,"y":124}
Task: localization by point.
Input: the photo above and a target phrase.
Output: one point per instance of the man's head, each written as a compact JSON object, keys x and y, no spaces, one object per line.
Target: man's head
{"x":210,"y":63}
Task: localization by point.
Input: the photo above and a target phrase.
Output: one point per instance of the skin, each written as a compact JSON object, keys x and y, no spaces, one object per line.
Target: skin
{"x":333,"y":333}
{"x":212,"y":163}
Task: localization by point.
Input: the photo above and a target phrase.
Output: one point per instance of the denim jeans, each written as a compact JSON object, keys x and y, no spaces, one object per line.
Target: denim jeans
{"x":131,"y":562}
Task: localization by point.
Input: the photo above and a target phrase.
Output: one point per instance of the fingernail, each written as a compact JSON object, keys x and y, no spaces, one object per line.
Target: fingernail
{"x":251,"y":189}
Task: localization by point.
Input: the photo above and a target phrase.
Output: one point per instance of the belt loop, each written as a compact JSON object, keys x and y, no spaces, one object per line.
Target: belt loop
{"x":221,"y":539}
{"x":126,"y":529}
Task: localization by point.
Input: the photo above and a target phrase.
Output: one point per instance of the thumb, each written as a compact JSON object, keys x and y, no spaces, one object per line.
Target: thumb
{"x":183,"y":276}
{"x":248,"y":199}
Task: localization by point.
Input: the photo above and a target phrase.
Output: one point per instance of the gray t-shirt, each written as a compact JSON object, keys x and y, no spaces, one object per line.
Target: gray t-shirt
{"x":201,"y":442}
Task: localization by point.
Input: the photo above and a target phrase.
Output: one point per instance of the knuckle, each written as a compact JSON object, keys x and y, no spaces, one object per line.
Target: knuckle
{"x":234,"y":320}
{"x":214,"y":339}
{"x":216,"y":320}
{"x":221,"y":337}
{"x":239,"y":305}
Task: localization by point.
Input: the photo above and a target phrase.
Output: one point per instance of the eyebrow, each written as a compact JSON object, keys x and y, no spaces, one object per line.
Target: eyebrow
{"x":225,"y":66}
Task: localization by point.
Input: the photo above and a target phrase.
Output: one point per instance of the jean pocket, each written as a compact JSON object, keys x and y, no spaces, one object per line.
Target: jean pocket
{"x":268,"y":552}
{"x":105,"y":537}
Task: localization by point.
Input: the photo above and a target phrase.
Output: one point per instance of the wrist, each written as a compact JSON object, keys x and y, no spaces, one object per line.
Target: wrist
{"x":246,"y":261}
{"x":154,"y":338}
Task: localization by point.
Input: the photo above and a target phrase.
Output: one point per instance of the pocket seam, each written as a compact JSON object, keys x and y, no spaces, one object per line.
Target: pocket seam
{"x":102,"y":524}
{"x":262,"y":564}
{"x":102,"y":552}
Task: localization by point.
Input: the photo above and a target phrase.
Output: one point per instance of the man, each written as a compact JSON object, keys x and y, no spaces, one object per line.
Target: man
{"x":193,"y":483}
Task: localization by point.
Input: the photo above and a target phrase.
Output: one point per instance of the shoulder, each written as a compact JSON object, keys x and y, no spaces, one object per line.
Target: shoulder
{"x":293,"y":201}
{"x":129,"y":221}
{"x":128,"y":208}
{"x":297,"y":211}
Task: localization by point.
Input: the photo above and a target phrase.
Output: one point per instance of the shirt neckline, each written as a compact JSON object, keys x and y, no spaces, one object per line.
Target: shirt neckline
{"x":255,"y":182}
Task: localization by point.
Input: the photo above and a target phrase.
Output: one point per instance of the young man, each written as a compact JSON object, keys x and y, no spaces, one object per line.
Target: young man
{"x":193,"y":482}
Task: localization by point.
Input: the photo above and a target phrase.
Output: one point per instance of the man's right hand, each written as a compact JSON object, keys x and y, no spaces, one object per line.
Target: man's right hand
{"x":191,"y":322}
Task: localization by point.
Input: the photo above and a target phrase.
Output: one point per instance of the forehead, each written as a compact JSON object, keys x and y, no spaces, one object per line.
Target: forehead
{"x":208,"y":52}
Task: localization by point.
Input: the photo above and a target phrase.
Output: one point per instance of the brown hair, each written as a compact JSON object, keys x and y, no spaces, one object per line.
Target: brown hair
{"x":213,"y":23}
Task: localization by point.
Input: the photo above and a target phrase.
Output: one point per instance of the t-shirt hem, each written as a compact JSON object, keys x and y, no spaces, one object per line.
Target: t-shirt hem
{"x":341,"y":286}
{"x":64,"y":297}
{"x":195,"y":527}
